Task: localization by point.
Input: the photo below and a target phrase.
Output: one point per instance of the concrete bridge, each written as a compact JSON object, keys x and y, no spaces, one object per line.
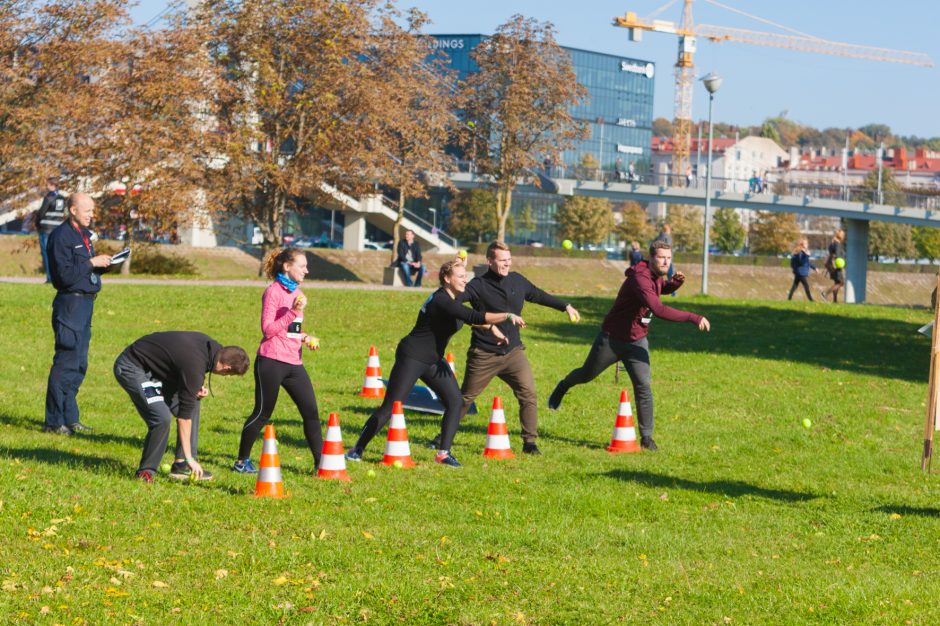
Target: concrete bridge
{"x":857,"y":215}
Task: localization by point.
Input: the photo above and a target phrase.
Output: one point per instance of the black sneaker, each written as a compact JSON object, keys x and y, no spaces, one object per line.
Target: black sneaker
{"x":647,"y":443}
{"x":144,"y":475}
{"x":58,"y":430}
{"x":446,"y":458}
{"x":554,"y":400}
{"x":435,"y":443}
{"x":354,"y":454}
{"x":78,"y":427}
{"x":529,"y":447}
{"x":181,"y":471}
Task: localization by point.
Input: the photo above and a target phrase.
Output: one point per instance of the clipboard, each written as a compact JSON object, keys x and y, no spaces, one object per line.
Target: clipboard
{"x":121,"y":256}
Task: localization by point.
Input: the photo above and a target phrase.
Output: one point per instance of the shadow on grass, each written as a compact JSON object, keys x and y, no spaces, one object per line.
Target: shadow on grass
{"x":903,"y":509}
{"x":838,"y":338}
{"x":726,"y":488}
{"x":53,"y":456}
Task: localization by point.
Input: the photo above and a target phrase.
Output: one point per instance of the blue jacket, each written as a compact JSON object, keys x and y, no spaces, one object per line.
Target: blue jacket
{"x":801,"y":264}
{"x":70,"y":261}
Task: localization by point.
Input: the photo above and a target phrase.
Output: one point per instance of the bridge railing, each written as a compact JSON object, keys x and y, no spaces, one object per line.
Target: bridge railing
{"x":420,"y":221}
{"x":927,"y":200}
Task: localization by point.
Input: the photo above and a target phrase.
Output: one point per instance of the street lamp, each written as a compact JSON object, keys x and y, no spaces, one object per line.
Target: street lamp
{"x":712,"y":82}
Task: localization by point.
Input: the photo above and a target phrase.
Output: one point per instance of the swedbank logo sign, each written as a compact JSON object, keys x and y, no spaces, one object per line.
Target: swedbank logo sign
{"x":637,"y":68}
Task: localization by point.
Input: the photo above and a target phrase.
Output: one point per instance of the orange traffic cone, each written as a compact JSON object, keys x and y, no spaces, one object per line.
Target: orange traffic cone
{"x":450,"y":361}
{"x":497,"y":437}
{"x":397,"y":449}
{"x":332,"y":461}
{"x":624,"y":438}
{"x":269,"y":483}
{"x":373,"y":387}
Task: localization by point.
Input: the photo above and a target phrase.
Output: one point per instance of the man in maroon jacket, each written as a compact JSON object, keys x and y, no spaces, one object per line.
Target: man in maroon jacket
{"x":623,"y":334}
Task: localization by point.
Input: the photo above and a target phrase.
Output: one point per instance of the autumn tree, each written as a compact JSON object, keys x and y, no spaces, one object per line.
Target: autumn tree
{"x":51,"y":56}
{"x":473,"y":215}
{"x":727,"y":233}
{"x":519,"y":103}
{"x":688,"y":229}
{"x":305,"y":108}
{"x":634,"y":223}
{"x":417,"y":119}
{"x":773,"y":232}
{"x":584,"y":219}
{"x":155,"y":134}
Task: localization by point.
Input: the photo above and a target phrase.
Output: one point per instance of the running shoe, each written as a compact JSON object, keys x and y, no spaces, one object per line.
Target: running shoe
{"x":181,"y":471}
{"x":244,"y":467}
{"x":446,"y":458}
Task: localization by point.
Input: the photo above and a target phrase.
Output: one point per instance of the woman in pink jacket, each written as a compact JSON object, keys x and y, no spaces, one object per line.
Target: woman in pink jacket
{"x":279,"y":363}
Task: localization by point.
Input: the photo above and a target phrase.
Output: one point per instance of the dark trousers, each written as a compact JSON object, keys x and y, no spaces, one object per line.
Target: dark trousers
{"x":71,"y":324}
{"x":270,"y":376}
{"x":635,"y":356}
{"x":43,"y":240}
{"x":800,"y":280}
{"x":405,"y":373}
{"x":157,"y":406}
{"x":514,"y":370}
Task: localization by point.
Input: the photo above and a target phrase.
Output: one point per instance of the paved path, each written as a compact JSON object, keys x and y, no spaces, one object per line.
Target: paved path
{"x":307,"y":284}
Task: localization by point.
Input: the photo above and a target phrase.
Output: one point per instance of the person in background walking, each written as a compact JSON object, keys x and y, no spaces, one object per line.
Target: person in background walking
{"x":835,"y":265}
{"x":636,"y":254}
{"x":801,"y":264}
{"x":50,"y":215}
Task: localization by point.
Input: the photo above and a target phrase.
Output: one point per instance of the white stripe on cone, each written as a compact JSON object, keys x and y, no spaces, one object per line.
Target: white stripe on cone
{"x":332,"y":462}
{"x":372,"y":382}
{"x":333,"y":433}
{"x":269,"y":447}
{"x":373,"y":362}
{"x":269,"y":475}
{"x":625,"y":409}
{"x":624,"y":434}
{"x":498,"y":442}
{"x":398,"y":421}
{"x":397,"y":448}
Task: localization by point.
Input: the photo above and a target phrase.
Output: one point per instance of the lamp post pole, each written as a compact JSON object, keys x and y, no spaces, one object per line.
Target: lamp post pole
{"x":712,"y":83}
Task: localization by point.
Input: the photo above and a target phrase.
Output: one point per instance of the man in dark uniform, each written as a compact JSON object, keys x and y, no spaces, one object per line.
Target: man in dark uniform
{"x":75,"y":272}
{"x":50,"y":216}
{"x":164,"y":374}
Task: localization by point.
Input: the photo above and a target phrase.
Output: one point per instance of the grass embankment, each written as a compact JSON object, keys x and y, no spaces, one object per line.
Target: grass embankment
{"x":745,"y":516}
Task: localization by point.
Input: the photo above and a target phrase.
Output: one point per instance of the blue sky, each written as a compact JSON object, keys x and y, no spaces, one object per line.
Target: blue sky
{"x":759,"y":82}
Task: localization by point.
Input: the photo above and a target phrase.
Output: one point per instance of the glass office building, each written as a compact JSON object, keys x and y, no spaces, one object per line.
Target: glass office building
{"x":618,"y":112}
{"x":618,"y":109}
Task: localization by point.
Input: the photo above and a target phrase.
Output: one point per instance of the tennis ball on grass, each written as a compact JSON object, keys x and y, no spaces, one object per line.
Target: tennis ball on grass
{"x":398,"y":464}
{"x":370,"y":473}
{"x":807,"y":422}
{"x":165,"y":468}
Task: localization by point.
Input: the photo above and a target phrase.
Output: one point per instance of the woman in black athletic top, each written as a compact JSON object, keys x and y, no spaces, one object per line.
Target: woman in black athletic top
{"x":420,"y":354}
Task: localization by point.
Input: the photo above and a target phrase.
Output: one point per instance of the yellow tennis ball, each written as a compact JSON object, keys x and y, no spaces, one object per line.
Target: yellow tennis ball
{"x":567,"y":244}
{"x":462,"y":254}
{"x":398,"y":464}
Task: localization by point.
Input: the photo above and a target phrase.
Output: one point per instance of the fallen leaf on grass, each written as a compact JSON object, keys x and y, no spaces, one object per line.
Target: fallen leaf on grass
{"x":280,"y":580}
{"x":895,"y":516}
{"x":220,"y":574}
{"x":159,"y":584}
{"x":368,"y":535}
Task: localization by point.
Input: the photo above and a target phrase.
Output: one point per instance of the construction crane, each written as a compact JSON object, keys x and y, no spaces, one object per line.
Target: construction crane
{"x":688,"y":33}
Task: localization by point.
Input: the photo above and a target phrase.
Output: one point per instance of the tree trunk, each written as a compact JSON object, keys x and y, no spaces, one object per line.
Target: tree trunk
{"x":128,"y":243}
{"x":503,"y":205}
{"x":396,"y":227}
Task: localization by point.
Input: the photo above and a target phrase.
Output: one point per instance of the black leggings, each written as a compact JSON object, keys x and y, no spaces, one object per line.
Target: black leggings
{"x":405,"y":373}
{"x":270,"y":376}
{"x":796,"y":282}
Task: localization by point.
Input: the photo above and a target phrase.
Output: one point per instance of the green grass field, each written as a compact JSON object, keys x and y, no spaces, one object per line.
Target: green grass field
{"x":743,"y":517}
